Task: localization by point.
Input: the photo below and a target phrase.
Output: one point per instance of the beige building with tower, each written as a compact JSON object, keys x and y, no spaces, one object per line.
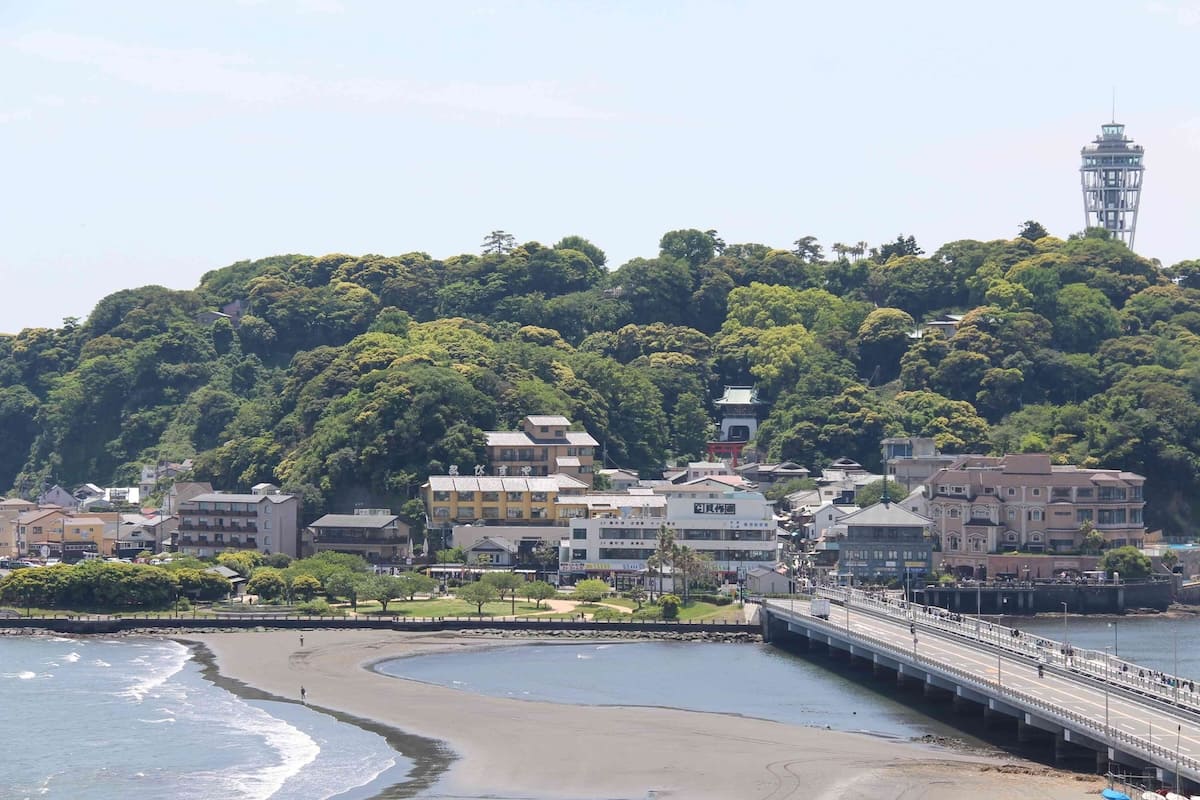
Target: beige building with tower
{"x":1022,"y":502}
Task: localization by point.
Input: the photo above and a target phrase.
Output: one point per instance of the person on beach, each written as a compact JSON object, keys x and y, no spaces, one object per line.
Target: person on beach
{"x":303,"y":695}
{"x":302,"y":640}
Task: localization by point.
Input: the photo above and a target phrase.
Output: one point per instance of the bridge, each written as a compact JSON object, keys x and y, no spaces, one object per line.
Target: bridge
{"x":1084,"y":703}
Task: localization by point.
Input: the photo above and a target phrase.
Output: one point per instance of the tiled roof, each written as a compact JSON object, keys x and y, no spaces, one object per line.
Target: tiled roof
{"x":548,"y":421}
{"x":885,"y":515}
{"x":460,"y":483}
{"x":220,"y":497}
{"x":355,"y":521}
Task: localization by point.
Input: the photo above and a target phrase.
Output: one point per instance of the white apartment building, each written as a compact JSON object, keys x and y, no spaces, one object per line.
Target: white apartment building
{"x":735,"y":528}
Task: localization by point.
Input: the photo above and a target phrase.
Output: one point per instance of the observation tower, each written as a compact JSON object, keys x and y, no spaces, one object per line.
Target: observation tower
{"x":1111,"y":176}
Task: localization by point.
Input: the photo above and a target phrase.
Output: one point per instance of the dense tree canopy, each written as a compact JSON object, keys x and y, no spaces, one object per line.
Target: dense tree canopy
{"x":349,"y":379}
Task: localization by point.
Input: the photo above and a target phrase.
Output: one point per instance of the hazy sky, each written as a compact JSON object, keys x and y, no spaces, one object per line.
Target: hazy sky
{"x":149,"y":142}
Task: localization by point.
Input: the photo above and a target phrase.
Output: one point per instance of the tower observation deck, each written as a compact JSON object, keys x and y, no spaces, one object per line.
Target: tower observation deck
{"x":1111,"y":176}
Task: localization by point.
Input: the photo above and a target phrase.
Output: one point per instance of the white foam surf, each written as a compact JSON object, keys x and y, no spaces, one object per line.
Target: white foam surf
{"x":171,"y":662}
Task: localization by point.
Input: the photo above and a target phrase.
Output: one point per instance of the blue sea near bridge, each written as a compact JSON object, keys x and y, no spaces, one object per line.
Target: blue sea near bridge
{"x":135,"y":718}
{"x":763,"y":681}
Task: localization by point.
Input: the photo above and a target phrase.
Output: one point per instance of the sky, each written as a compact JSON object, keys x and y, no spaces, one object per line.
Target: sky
{"x":150,"y":142}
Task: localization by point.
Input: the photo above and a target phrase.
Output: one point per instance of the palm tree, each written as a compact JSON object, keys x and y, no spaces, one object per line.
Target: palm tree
{"x":840,"y":249}
{"x":665,"y":553}
{"x":690,"y":564}
{"x":862,"y":248}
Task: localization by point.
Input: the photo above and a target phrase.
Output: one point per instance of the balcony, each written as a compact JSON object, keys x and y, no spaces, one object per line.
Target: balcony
{"x":345,"y":538}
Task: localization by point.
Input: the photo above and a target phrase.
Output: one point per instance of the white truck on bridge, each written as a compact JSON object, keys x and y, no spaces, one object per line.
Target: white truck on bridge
{"x":819,"y":607}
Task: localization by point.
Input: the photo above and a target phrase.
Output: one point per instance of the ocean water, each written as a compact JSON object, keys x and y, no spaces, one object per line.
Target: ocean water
{"x":134,"y":718}
{"x":759,"y":680}
{"x":753,"y":680}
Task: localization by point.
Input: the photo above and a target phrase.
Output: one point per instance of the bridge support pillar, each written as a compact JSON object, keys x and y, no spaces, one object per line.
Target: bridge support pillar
{"x":1025,"y":734}
{"x":1068,"y":753}
{"x":961,"y":704}
{"x":1102,"y":761}
{"x":991,"y":717}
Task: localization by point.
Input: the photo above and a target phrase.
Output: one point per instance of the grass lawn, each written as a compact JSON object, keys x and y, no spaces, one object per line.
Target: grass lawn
{"x":446,"y":607}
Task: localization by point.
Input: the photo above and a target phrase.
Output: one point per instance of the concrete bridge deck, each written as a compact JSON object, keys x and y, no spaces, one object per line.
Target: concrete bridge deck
{"x":1086,"y":704}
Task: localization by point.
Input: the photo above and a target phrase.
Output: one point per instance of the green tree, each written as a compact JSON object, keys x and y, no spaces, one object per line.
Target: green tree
{"x":243,"y":562}
{"x":1168,"y":560}
{"x":1032,"y":230}
{"x":479,"y":593}
{"x":506,"y":583}
{"x":537,"y":591}
{"x":871,"y":493}
{"x":664,"y":552}
{"x":592,"y":590}
{"x":638,"y":595}
{"x":380,"y":588}
{"x":1084,"y":317}
{"x":498,"y":243}
{"x":342,"y":583}
{"x":1091,"y":540}
{"x":1129,"y":562}
{"x":414,"y":583}
{"x":693,"y":246}
{"x":882,"y":339}
{"x":305,"y":587}
{"x":267,"y":583}
{"x":670,"y":604}
{"x":690,"y":426}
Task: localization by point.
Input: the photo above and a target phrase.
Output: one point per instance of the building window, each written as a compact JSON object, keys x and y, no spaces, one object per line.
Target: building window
{"x":1083,"y":515}
{"x":1083,"y":493}
{"x":578,"y":555}
{"x":441,"y":512}
{"x":491,"y":497}
{"x":490,"y":512}
{"x":1037,"y":492}
{"x":1036,"y":515}
{"x":513,"y":497}
{"x":1135,"y":515}
{"x":1012,"y":492}
{"x":954,"y":513}
{"x":515,"y":513}
{"x":466,"y":497}
{"x":441,"y":497}
{"x":579,"y":533}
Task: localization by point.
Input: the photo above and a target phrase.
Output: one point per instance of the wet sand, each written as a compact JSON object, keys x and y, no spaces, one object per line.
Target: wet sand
{"x":472,"y":746}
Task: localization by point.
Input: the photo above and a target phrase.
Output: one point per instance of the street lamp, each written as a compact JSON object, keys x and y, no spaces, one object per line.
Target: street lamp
{"x":999,"y":675}
{"x":1175,"y":671}
{"x":1106,"y":674}
{"x":1064,"y":605}
{"x":1113,"y":625}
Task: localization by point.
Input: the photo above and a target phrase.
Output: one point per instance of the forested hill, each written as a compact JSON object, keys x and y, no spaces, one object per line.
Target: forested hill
{"x":350,"y":379}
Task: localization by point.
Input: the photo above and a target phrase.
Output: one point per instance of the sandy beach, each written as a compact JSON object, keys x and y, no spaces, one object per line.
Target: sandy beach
{"x":499,"y":748}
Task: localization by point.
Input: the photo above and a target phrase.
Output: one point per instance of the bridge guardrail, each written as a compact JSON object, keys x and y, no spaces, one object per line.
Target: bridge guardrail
{"x":1170,"y":689}
{"x":1108,"y":734}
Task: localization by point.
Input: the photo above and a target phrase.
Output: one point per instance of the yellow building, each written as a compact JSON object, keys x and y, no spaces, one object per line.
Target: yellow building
{"x":504,"y":501}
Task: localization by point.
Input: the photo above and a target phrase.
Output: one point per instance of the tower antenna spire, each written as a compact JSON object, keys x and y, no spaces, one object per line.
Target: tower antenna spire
{"x":1114,"y":104}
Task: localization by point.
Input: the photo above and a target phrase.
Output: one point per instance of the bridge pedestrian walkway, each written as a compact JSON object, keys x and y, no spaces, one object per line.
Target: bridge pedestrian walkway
{"x":1080,"y":699}
{"x":1097,"y":664}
